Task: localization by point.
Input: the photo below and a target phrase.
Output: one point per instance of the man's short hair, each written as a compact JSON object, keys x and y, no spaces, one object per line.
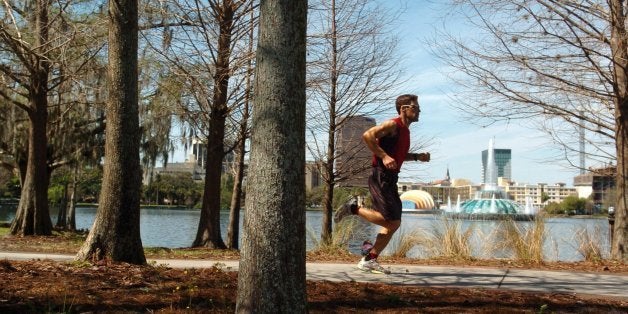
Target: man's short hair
{"x":406,"y":100}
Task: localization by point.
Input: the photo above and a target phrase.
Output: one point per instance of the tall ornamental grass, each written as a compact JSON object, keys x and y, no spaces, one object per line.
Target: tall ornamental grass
{"x":525,"y":242}
{"x":590,"y":244}
{"x":404,"y":241}
{"x":446,"y":239}
{"x":346,"y":230}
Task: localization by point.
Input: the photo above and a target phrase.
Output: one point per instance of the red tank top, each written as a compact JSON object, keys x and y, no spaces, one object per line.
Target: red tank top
{"x":396,"y":146}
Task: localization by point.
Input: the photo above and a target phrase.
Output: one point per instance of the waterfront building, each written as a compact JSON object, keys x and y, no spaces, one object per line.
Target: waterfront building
{"x":353,"y":158}
{"x":599,"y":185}
{"x":461,"y":190}
{"x":194,"y":164}
{"x":533,"y":193}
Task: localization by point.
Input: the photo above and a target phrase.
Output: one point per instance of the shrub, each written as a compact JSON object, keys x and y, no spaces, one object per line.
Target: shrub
{"x":574,"y":204}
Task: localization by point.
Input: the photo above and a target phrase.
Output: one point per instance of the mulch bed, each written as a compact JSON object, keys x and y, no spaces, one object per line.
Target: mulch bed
{"x":47,"y":286}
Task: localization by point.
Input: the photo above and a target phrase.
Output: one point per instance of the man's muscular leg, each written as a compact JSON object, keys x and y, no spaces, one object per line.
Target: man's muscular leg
{"x":387,"y":231}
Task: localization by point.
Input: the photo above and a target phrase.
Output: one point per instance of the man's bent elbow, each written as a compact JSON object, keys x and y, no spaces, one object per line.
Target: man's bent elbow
{"x":368,"y":137}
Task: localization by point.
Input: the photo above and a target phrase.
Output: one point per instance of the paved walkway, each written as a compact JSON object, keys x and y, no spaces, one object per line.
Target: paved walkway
{"x":612,"y":285}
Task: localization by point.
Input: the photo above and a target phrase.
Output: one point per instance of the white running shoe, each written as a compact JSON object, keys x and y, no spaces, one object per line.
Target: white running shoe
{"x":372,"y":266}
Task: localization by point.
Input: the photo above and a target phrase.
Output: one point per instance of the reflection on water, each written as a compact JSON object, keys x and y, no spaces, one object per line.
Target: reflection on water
{"x":177,"y":228}
{"x":7,"y":211}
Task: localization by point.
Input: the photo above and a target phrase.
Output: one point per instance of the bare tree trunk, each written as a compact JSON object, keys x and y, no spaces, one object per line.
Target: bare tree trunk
{"x":233,"y":231}
{"x":115,"y":233}
{"x":328,"y":196}
{"x":32,"y":216}
{"x":208,"y":233}
{"x":71,"y":210}
{"x":619,"y":46}
{"x":62,"y":214}
{"x":272,"y":262}
{"x":330,"y":182}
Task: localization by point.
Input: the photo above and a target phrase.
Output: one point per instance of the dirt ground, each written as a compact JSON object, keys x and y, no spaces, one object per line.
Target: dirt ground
{"x":78,"y":287}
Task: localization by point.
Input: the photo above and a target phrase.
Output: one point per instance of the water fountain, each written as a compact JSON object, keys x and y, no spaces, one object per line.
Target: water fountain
{"x":491,"y":202}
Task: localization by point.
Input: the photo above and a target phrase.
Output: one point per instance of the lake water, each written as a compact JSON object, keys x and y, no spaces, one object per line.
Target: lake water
{"x":177,"y":228}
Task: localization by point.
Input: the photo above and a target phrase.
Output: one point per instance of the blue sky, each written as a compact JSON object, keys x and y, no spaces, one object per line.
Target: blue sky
{"x":458,"y":143}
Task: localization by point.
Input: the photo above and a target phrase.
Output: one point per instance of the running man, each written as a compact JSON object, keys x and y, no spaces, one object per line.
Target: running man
{"x":389,"y":142}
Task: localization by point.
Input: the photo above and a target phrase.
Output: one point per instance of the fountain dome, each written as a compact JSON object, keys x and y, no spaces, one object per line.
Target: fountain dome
{"x":417,"y":200}
{"x":491,"y":201}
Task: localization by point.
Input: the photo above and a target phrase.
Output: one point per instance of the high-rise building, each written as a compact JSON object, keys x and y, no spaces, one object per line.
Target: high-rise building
{"x":353,"y":158}
{"x":502,"y":165}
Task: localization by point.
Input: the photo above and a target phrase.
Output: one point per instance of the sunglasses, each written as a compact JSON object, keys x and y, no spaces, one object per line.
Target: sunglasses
{"x":415,"y":108}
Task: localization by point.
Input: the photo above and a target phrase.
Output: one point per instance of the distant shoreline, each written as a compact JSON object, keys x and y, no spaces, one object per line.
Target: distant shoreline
{"x":5,"y":201}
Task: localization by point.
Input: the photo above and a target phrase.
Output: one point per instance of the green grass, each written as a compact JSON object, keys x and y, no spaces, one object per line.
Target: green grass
{"x":4,"y":231}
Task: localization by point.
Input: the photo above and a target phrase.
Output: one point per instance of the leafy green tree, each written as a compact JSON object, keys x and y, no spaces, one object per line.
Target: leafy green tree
{"x":58,"y":188}
{"x":226,"y":190}
{"x":544,"y":197}
{"x":554,"y":208}
{"x":573,"y":205}
{"x":177,"y":189}
{"x":9,"y":186}
{"x":89,"y":185}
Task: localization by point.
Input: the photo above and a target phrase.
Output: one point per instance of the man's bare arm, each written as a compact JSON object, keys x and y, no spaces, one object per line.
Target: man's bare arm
{"x":370,"y":138}
{"x":418,"y":157}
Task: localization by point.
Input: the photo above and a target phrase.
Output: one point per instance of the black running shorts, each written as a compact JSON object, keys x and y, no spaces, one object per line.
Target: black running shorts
{"x":383,"y":187}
